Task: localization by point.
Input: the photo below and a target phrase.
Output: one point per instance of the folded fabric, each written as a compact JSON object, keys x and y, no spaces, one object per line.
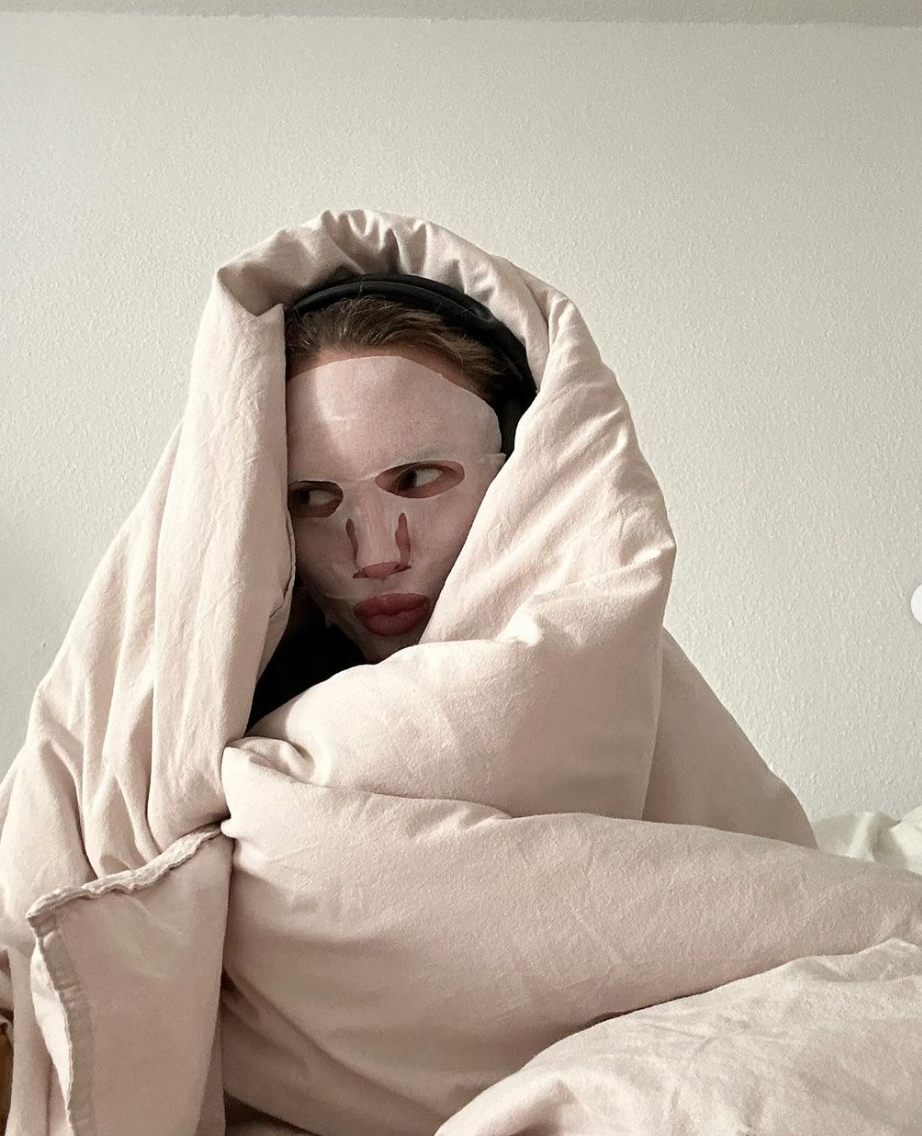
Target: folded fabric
{"x":391,"y":955}
{"x":546,"y":647}
{"x":821,"y":1045}
{"x":875,"y":836}
{"x":125,"y":981}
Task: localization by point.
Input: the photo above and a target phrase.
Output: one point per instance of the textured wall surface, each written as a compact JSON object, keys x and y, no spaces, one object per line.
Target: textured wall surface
{"x":898,"y":13}
{"x":736,"y":211}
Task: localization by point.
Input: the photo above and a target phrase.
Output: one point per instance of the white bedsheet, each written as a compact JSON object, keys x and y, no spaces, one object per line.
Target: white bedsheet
{"x":874,"y":836}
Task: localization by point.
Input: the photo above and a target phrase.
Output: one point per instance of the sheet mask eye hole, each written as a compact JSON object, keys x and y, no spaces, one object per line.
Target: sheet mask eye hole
{"x":314,"y":499}
{"x":422,"y":480}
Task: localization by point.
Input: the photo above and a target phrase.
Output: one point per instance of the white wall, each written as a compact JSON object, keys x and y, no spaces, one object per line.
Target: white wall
{"x":734,"y":208}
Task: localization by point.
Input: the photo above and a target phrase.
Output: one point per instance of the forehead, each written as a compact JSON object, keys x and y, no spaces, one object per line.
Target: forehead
{"x":356,"y":417}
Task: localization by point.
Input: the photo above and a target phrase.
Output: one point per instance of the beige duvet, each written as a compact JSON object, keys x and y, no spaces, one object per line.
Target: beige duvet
{"x":526,"y":876}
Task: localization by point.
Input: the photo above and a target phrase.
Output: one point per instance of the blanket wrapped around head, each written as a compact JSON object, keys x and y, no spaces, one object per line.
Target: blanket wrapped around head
{"x":544,"y":683}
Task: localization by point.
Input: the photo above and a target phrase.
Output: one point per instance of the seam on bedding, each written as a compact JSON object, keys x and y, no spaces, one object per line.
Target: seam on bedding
{"x":48,"y":917}
{"x":133,"y":879}
{"x":77,"y":1025}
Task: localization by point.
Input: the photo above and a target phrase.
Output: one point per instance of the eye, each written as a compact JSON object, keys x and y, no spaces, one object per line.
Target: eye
{"x":314,"y":499}
{"x":427,"y":480}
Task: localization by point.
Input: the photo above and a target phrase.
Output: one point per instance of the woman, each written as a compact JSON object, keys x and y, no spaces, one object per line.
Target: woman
{"x":439,"y":498}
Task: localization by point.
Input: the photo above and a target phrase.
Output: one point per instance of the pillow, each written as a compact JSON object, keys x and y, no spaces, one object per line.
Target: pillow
{"x":125,"y":980}
{"x":390,"y":957}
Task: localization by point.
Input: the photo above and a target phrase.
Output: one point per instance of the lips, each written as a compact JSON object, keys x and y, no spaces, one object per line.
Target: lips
{"x":394,"y":613}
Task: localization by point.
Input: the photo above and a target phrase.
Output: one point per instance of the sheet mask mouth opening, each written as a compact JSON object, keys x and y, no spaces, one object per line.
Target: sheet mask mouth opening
{"x":393,"y":614}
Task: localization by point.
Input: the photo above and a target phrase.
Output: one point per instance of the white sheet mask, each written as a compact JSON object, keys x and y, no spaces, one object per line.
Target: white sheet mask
{"x":373,"y":529}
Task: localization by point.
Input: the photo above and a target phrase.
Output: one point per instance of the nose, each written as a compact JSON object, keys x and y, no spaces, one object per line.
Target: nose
{"x":379,"y":571}
{"x":379,"y":553}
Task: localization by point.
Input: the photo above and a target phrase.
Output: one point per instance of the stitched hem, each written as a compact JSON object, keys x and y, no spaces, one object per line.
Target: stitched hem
{"x":128,"y":881}
{"x":47,"y":917}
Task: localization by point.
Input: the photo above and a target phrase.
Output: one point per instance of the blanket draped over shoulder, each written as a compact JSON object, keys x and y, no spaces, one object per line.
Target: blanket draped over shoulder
{"x":547,"y":726}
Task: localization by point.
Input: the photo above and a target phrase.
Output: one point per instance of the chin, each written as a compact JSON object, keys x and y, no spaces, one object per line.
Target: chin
{"x":376,"y":648}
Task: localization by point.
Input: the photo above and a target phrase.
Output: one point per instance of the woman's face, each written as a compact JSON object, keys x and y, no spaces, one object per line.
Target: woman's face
{"x":390,"y":452}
